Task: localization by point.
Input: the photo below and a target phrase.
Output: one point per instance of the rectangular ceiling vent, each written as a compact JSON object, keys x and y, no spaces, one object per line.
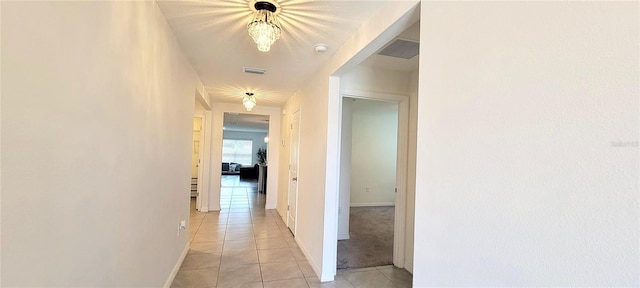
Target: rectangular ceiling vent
{"x":401,"y":49}
{"x":254,"y":70}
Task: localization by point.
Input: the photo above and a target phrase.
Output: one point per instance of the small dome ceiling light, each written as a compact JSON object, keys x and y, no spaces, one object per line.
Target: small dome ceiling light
{"x":320,"y":47}
{"x":265,"y":27}
{"x":249,"y":101}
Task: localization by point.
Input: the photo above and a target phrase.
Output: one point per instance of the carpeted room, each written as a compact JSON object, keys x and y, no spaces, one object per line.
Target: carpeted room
{"x":369,"y":148}
{"x":371,"y":238}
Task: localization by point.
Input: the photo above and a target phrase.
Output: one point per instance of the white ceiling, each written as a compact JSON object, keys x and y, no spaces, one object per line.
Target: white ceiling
{"x":214,"y":38}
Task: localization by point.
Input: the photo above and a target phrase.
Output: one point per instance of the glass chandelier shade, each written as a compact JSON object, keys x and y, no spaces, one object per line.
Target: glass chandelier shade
{"x":249,"y":101}
{"x":265,"y":27}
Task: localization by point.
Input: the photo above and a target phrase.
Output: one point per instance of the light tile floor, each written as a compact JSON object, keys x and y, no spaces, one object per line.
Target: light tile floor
{"x":245,"y":245}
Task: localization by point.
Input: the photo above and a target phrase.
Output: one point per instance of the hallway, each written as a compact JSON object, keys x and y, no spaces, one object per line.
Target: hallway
{"x":245,"y":245}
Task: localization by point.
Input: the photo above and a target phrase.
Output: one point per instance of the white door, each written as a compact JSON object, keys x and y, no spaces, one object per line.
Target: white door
{"x":293,"y":173}
{"x":195,"y":160}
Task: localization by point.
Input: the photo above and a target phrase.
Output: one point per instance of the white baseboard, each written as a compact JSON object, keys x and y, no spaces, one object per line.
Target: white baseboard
{"x":174,"y":272}
{"x":343,"y":236}
{"x":408,"y":267}
{"x":283,"y":218}
{"x":373,"y":204}
{"x":312,"y":263}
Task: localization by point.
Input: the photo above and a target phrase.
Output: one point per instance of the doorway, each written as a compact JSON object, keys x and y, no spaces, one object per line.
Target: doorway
{"x":195,"y":155}
{"x":199,"y":164}
{"x":245,"y":151}
{"x":368,"y":182}
{"x":218,"y":128}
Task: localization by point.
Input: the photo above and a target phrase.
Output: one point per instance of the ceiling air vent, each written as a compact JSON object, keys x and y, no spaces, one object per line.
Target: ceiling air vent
{"x":401,"y":49}
{"x":254,"y":70}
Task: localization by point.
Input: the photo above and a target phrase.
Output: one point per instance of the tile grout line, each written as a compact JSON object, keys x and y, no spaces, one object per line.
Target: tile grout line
{"x":255,"y":239}
{"x":226,"y":224}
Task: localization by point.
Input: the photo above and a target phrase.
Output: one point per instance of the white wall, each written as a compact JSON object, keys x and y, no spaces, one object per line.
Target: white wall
{"x":257,"y":139}
{"x":375,"y":79}
{"x":97,"y":105}
{"x":374,"y":140}
{"x":521,"y":178}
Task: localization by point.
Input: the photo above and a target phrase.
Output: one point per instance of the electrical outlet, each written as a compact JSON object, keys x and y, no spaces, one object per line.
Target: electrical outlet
{"x":182,"y":226}
{"x":367,"y":189}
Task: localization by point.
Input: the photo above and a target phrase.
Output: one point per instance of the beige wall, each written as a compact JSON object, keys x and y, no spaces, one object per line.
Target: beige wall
{"x":97,"y":106}
{"x":373,"y":161}
{"x":523,"y":180}
{"x":366,"y":135}
{"x":375,"y":79}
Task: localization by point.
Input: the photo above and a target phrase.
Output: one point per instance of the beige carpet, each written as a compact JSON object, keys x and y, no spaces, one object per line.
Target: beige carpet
{"x":371,"y":238}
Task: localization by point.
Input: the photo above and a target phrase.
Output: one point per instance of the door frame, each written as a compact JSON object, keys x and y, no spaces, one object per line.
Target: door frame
{"x":401,"y":163}
{"x":204,"y":165}
{"x":200,"y":161}
{"x":217,"y":120}
{"x":295,"y":226}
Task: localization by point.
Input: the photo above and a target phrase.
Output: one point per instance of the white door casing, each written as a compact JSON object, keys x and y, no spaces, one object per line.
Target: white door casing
{"x":401,"y":165}
{"x":292,"y":203}
{"x":196,"y":155}
{"x":344,"y":197}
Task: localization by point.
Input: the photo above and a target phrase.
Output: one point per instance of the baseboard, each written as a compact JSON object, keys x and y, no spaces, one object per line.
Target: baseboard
{"x":408,"y":267}
{"x":373,"y":204}
{"x":312,"y":263}
{"x":343,"y":236}
{"x":174,"y":272}
{"x":283,"y":218}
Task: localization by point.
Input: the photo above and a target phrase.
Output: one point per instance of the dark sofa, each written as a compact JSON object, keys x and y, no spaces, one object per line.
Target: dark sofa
{"x":226,"y":168}
{"x":250,"y":172}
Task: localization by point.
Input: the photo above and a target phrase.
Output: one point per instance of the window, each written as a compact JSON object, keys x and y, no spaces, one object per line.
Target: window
{"x":237,"y":151}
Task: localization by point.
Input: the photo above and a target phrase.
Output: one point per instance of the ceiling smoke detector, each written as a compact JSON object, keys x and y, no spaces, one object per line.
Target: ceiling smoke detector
{"x":320,"y":47}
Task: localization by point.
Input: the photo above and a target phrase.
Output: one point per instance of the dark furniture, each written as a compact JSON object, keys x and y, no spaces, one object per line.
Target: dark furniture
{"x":226,"y":168}
{"x":249,"y":172}
{"x":262,"y":179}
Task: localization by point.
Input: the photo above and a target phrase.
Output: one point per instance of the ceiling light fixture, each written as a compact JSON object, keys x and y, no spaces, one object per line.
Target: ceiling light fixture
{"x":265,"y":27}
{"x":320,"y":47}
{"x":249,"y":101}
